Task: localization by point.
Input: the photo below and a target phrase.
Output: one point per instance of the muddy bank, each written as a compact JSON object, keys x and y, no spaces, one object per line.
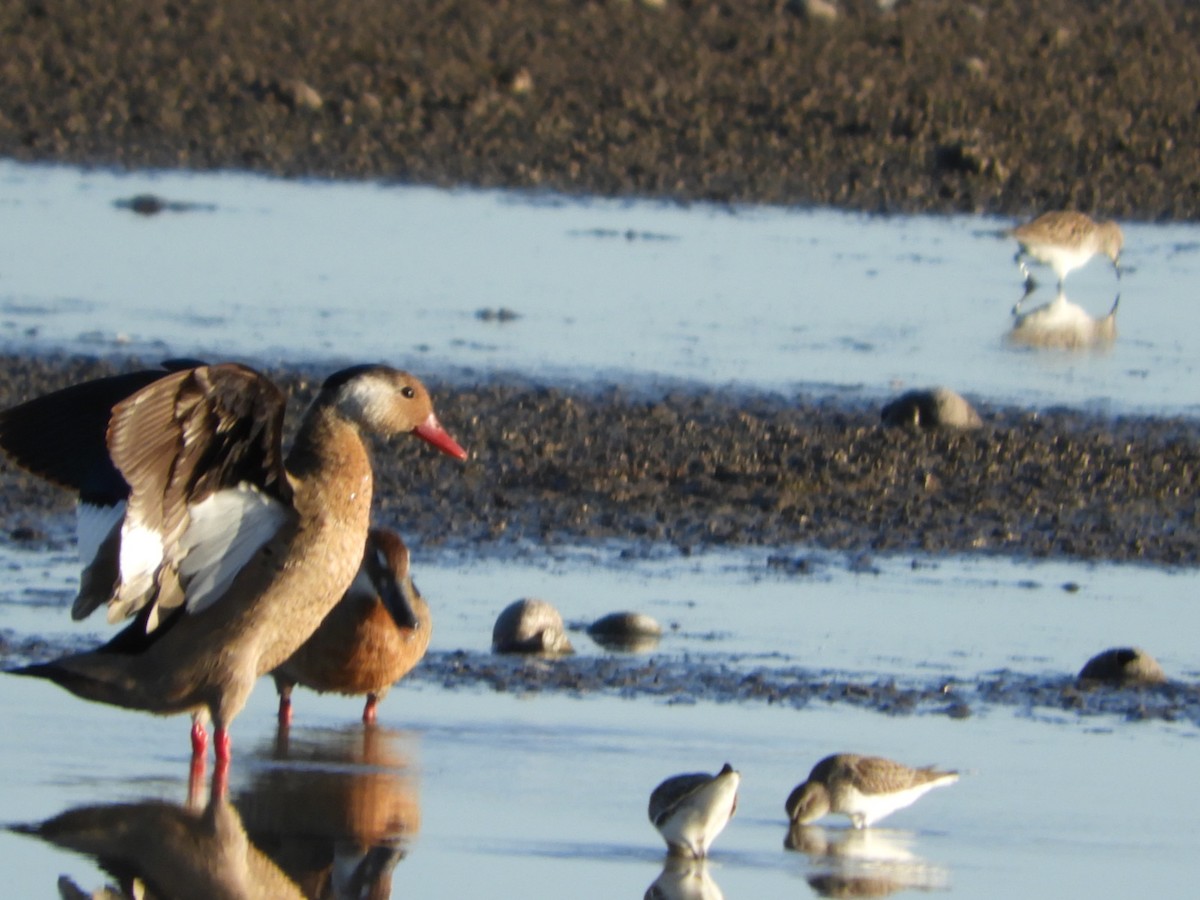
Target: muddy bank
{"x":1003,"y":106}
{"x":696,"y":680}
{"x":702,"y":468}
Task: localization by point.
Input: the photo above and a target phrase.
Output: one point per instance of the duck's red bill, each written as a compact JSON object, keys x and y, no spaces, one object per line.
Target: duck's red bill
{"x":431,"y":430}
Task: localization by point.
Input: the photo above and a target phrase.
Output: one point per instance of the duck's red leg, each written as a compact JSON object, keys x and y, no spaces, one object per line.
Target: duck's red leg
{"x":196,"y":770}
{"x":223,"y":751}
{"x":199,"y":740}
{"x":369,"y":714}
{"x":285,"y":711}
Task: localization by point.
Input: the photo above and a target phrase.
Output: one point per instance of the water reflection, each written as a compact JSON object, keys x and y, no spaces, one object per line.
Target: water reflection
{"x":158,"y":849}
{"x":337,"y":816}
{"x":1062,"y":325}
{"x":327,"y":819}
{"x":684,"y":879}
{"x":868,"y":862}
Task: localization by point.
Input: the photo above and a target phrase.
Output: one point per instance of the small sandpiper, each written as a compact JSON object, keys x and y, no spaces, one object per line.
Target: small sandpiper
{"x":690,"y":810}
{"x":1065,"y":241}
{"x":865,"y":788}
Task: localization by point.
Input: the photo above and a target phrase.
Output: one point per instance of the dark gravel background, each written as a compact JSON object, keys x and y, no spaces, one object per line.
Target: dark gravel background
{"x":946,"y":105}
{"x":697,"y":468}
{"x":1008,"y":106}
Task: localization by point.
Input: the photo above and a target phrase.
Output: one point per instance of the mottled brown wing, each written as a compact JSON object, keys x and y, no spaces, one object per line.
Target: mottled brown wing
{"x":195,"y":432}
{"x":180,"y":440}
{"x":882,"y":776}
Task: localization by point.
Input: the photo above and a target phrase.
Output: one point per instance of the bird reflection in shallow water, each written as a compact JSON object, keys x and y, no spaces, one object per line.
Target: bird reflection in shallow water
{"x":870,"y":862}
{"x":337,"y":812}
{"x":684,"y":879}
{"x":332,"y":827}
{"x":1062,"y":325}
{"x":157,"y":849}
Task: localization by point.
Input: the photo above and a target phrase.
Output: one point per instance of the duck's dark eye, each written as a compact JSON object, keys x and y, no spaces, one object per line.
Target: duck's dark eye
{"x":408,"y":392}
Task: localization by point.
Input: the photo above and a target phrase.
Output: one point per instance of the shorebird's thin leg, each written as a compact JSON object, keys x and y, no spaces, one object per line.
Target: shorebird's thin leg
{"x":1026,"y":275}
{"x":1016,"y":310}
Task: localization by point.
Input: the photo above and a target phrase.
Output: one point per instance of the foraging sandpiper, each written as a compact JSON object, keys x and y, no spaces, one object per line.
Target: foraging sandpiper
{"x":1065,"y":241}
{"x":865,"y":788}
{"x":691,"y":810}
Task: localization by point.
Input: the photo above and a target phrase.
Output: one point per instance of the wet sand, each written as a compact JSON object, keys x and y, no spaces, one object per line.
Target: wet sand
{"x":917,"y":105}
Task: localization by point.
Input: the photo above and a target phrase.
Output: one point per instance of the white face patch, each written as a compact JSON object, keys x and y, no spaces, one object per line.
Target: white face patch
{"x":367,"y":399}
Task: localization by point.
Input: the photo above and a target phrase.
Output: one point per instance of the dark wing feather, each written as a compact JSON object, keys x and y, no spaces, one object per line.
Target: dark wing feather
{"x":195,"y":432}
{"x":62,"y":436}
{"x":183,"y":438}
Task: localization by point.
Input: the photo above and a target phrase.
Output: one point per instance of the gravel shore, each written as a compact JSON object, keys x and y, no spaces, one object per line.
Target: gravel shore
{"x":918,"y":105}
{"x":1006,"y":107}
{"x":702,"y":468}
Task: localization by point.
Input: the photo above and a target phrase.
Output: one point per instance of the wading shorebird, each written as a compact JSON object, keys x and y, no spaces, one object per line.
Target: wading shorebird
{"x":865,"y":788}
{"x":226,"y":556}
{"x":372,"y":638}
{"x":690,"y":810}
{"x":1065,"y":241}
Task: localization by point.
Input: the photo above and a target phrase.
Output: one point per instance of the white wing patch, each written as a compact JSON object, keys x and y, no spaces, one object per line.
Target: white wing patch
{"x":224,"y":531}
{"x":92,"y":525}
{"x":141,"y":557}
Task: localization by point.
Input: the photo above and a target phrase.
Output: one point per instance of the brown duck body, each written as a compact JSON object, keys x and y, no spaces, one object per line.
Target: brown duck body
{"x":211,"y":660}
{"x":364,"y":645}
{"x":228,"y":558}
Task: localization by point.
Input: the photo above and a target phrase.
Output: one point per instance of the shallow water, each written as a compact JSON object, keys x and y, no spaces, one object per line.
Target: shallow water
{"x":818,"y":299}
{"x":543,"y":794}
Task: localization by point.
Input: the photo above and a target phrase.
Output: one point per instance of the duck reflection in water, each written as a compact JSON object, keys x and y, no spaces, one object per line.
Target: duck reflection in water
{"x":870,"y":862}
{"x":158,"y":849}
{"x":333,"y":827}
{"x":338,"y":811}
{"x":683,"y":878}
{"x":1062,"y":325}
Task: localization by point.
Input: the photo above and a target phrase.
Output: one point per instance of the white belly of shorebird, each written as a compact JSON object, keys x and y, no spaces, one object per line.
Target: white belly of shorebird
{"x":1061,"y":259}
{"x":870,"y":808}
{"x":699,"y":819}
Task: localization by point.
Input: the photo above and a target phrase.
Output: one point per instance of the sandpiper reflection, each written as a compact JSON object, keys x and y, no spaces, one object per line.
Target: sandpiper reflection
{"x":683,"y":878}
{"x":870,"y":862}
{"x":337,"y":811}
{"x":1062,"y":325}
